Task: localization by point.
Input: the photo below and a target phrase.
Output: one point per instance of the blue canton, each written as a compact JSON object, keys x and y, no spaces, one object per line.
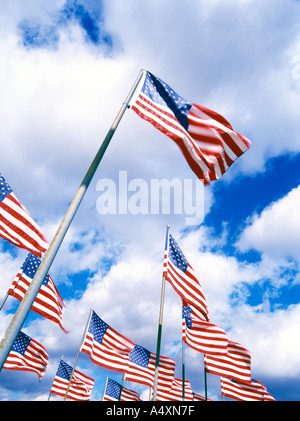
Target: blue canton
{"x":176,"y":256}
{"x":64,"y":370}
{"x":5,"y":190}
{"x":186,"y":314}
{"x":21,"y":343}
{"x":97,"y":328}
{"x":161,"y":93}
{"x":31,"y":265}
{"x":113,"y":389}
{"x":140,"y":356}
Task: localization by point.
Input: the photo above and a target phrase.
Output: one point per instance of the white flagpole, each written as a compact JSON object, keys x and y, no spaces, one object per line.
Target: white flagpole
{"x":33,"y":289}
{"x":82,"y":339}
{"x":160,"y":323}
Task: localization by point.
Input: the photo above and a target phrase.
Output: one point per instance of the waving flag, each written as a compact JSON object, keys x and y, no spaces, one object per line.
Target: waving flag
{"x":207,"y":141}
{"x":81,"y":385}
{"x":115,"y":392}
{"x":235,"y":365}
{"x":27,"y":355}
{"x":201,"y":335}
{"x":48,"y":302}
{"x":141,"y":368}
{"x":106,"y":347}
{"x":16,"y":224}
{"x":254,"y":391}
{"x":197,"y":397}
{"x":175,"y":393}
{"x":179,"y":273}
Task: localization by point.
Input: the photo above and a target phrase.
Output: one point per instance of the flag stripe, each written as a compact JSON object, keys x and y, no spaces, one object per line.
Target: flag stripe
{"x":207,"y":141}
{"x":80,"y":389}
{"x":18,"y":227}
{"x":255,"y":391}
{"x":48,"y":302}
{"x":236,"y":364}
{"x":34,"y":359}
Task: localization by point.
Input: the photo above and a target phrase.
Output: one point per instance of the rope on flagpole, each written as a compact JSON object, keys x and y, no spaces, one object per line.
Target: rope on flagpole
{"x":33,"y":289}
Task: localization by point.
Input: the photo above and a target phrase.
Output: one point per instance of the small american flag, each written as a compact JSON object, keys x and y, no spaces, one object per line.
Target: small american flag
{"x":201,"y":335}
{"x":27,"y":355}
{"x":81,"y":385}
{"x":179,"y":273}
{"x":115,"y":392}
{"x":175,"y":393}
{"x":106,"y":347}
{"x":197,"y":397}
{"x":254,"y":391}
{"x":141,"y":368}
{"x":235,"y":365}
{"x":207,"y":141}
{"x":48,"y":302}
{"x":16,"y":224}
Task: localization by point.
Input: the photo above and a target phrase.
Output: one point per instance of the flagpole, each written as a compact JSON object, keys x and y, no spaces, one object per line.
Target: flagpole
{"x":160,"y":322}
{"x":205,"y":382}
{"x":33,"y":289}
{"x":183,"y":370}
{"x":83,"y":336}
{"x":7,"y":294}
{"x":61,"y":358}
{"x":104,"y":390}
{"x":121,"y":386}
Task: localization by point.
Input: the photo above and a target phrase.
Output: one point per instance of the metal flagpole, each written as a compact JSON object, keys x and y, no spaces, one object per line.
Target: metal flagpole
{"x":183,"y":371}
{"x":61,"y":358}
{"x":33,"y":289}
{"x":104,"y":390}
{"x":83,"y":336}
{"x":160,"y":323}
{"x":121,"y":386}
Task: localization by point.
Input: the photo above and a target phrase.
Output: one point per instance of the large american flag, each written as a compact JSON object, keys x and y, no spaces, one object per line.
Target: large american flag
{"x":81,"y":385}
{"x":16,"y":224}
{"x":141,"y":368}
{"x":180,"y":274}
{"x":235,"y":365}
{"x":115,"y":392}
{"x":106,"y":347}
{"x":48,"y":302}
{"x":206,"y":139}
{"x":254,"y":391}
{"x":175,"y":393}
{"x":201,"y":335}
{"x":27,"y":355}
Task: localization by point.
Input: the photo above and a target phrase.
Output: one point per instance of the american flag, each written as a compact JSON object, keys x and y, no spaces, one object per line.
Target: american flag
{"x":27,"y":355}
{"x":115,"y":392}
{"x":48,"y":302}
{"x":106,"y":347}
{"x":235,"y":365}
{"x":175,"y":393}
{"x":141,"y":368}
{"x":206,"y":139}
{"x":179,"y":273}
{"x":81,"y":385}
{"x":254,"y":391}
{"x":201,"y":335}
{"x":197,"y":397}
{"x":16,"y":224}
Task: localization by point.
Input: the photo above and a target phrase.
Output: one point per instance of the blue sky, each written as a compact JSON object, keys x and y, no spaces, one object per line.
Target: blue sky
{"x":65,"y":70}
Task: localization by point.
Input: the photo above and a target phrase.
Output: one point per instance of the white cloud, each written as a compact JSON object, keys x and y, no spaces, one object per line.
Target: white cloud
{"x":275,"y":232}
